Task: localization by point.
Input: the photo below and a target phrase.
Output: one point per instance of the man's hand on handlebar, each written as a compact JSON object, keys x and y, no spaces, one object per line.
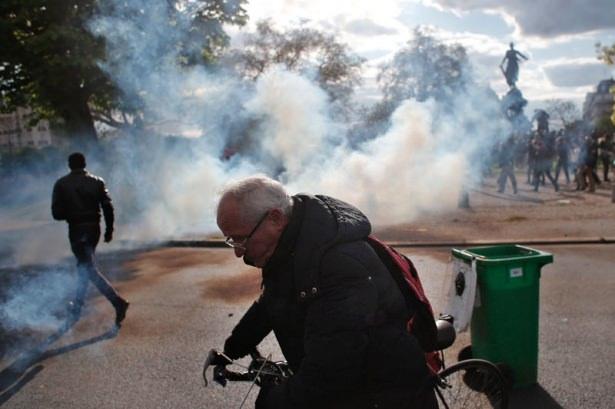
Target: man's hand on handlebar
{"x":219,"y":361}
{"x":261,"y":371}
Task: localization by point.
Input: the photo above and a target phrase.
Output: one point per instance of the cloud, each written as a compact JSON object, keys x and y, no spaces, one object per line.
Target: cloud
{"x":576,"y":73}
{"x":367,"y":27}
{"x":544,"y":18}
{"x":296,"y":10}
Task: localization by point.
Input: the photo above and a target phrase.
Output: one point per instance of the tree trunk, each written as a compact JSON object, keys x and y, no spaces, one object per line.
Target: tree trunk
{"x":78,"y":121}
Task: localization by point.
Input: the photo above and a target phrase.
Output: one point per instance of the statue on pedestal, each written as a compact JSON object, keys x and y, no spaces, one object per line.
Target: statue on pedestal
{"x":510,"y":65}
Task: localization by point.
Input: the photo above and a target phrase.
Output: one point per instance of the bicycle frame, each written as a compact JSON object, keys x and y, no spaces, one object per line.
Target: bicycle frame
{"x":263,"y":371}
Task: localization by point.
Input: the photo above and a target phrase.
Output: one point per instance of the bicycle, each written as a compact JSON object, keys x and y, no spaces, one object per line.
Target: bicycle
{"x":469,"y":383}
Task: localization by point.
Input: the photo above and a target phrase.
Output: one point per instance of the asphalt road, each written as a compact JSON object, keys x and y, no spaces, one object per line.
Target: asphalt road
{"x":185,"y":301}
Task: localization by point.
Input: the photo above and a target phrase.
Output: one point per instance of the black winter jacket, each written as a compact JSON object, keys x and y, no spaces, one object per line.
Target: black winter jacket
{"x":337,"y":314}
{"x":78,"y":198}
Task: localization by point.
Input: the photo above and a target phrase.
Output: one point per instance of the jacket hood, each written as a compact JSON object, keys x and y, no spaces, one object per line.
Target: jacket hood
{"x":327,"y":222}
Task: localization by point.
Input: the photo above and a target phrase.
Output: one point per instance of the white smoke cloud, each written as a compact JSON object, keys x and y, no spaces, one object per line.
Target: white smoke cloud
{"x":295,"y":117}
{"x":167,"y":188}
{"x":396,"y":176}
{"x":368,"y":28}
{"x":39,"y":302}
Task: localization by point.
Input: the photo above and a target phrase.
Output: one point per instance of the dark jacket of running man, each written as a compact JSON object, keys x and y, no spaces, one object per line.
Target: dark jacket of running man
{"x":331,"y":303}
{"x":78,"y":198}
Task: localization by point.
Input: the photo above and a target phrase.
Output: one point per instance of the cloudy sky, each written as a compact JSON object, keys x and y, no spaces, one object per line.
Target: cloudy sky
{"x":558,"y":36}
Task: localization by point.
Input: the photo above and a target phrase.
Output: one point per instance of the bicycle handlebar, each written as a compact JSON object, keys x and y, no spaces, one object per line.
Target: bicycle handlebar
{"x":261,"y":370}
{"x":264,"y":371}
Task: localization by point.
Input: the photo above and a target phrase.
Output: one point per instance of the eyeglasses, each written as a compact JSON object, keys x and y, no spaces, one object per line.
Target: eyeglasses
{"x":241,"y":244}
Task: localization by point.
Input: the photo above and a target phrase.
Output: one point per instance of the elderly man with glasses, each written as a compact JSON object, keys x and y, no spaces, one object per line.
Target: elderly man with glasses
{"x":333,"y":306}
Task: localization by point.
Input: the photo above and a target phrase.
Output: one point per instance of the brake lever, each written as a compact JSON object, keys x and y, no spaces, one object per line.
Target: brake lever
{"x":219,"y":360}
{"x":219,"y":375}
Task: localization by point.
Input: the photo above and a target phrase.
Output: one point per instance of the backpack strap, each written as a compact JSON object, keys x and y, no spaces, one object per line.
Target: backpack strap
{"x":421,"y":322}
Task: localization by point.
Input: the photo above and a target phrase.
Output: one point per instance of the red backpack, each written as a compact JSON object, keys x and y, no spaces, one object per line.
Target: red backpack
{"x":421,"y":322}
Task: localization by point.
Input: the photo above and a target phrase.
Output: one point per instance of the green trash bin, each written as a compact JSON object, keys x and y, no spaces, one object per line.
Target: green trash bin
{"x":504,"y":325}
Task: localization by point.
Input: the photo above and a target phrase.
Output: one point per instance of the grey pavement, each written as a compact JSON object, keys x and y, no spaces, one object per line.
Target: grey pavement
{"x":181,"y":308}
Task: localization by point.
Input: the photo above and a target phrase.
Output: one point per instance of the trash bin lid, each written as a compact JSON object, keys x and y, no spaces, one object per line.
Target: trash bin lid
{"x":503,"y":253}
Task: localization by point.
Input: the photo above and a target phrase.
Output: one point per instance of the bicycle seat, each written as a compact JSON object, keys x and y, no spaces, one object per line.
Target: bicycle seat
{"x":446,"y":334}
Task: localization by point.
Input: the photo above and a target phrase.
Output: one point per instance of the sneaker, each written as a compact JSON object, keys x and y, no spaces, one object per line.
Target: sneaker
{"x":120,"y":312}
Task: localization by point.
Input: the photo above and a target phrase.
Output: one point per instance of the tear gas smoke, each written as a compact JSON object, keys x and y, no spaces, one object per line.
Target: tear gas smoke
{"x":396,"y":176}
{"x":34,"y":300}
{"x":280,"y":125}
{"x":293,"y":129}
{"x":41,"y":298}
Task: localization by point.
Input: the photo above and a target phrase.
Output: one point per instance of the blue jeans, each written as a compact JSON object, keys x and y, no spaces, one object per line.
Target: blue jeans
{"x":83,"y":241}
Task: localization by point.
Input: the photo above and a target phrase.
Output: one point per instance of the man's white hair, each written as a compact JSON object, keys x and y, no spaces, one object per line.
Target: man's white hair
{"x":257,"y":195}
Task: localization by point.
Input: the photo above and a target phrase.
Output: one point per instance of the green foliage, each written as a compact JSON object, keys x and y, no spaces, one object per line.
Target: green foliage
{"x":607,"y":55}
{"x":335,"y":67}
{"x":425,"y":68}
{"x":49,"y":60}
{"x":605,"y":125}
{"x":566,"y":111}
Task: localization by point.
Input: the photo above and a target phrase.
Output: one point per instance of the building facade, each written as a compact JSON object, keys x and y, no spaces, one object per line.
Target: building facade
{"x":599,"y":104}
{"x":16,"y":133}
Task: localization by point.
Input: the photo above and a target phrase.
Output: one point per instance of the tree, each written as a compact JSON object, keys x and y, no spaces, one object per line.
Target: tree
{"x":566,"y":111}
{"x":425,"y":68}
{"x":605,"y":125}
{"x":606,"y":54}
{"x":49,"y":59}
{"x":332,"y":64}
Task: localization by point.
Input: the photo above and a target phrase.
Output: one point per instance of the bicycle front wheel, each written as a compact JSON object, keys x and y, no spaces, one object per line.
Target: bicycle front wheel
{"x":473,"y":383}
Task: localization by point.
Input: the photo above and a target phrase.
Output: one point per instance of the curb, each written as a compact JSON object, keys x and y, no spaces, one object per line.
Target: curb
{"x":459,"y":243}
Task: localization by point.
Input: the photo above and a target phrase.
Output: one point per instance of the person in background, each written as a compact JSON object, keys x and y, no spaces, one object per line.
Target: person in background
{"x":605,"y":148}
{"x":506,"y":159}
{"x":531,"y":160}
{"x":78,"y":199}
{"x":542,"y":167}
{"x":588,"y":158}
{"x":562,"y":148}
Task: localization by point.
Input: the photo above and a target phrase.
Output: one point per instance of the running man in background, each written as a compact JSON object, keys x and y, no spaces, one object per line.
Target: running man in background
{"x":78,"y":198}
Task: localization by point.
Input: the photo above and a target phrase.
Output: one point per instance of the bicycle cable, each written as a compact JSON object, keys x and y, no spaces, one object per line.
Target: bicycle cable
{"x":247,"y":367}
{"x":254,"y":381}
{"x":261,"y":371}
